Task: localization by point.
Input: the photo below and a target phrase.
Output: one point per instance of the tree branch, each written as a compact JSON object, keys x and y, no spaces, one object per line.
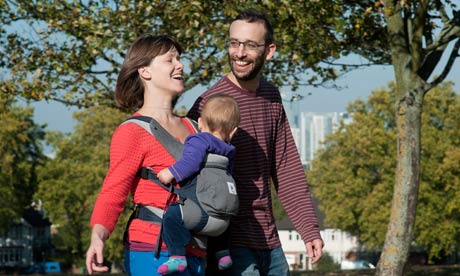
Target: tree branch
{"x":434,"y":51}
{"x":453,"y":55}
{"x":200,"y":79}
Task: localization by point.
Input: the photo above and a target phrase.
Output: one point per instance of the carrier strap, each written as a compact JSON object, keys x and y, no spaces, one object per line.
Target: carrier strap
{"x":174,"y":147}
{"x":170,"y":143}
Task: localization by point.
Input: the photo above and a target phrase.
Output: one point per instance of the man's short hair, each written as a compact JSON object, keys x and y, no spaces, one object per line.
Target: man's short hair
{"x":253,"y":15}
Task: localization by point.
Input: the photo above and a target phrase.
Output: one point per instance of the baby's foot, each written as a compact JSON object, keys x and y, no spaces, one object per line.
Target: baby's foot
{"x":224,"y":259}
{"x":174,"y":264}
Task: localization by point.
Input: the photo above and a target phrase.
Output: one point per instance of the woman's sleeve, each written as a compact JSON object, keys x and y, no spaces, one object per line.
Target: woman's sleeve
{"x":126,"y":157}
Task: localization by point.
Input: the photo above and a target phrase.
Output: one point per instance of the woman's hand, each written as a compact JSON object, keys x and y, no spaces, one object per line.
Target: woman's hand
{"x":94,"y":255}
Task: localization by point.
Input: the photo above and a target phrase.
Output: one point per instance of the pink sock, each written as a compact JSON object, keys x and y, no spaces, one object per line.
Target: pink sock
{"x":224,"y":259}
{"x":174,"y":264}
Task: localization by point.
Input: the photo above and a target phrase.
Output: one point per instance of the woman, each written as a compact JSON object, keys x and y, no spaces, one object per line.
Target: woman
{"x":150,"y":81}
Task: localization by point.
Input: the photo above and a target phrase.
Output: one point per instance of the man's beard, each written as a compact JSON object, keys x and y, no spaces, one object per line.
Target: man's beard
{"x":252,"y":74}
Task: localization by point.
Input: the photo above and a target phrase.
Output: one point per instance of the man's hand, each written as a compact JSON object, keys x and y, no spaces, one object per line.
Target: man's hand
{"x":165,"y":176}
{"x":315,"y":250}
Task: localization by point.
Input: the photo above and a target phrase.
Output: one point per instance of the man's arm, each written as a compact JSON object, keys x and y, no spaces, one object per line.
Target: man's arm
{"x":290,"y":182}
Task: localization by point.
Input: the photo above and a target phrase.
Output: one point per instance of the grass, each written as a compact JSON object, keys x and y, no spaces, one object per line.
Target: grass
{"x":447,"y":270}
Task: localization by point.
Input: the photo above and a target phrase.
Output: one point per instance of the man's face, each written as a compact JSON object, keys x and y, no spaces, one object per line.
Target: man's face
{"x":246,"y":64}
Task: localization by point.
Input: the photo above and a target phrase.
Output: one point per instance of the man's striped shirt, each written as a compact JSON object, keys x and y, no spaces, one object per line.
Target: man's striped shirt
{"x":265,"y":150}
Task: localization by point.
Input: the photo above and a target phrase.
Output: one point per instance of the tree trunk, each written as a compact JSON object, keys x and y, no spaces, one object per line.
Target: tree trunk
{"x":402,"y":219}
{"x":410,"y":89}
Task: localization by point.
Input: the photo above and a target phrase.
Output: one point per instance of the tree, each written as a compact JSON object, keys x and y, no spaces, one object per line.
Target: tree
{"x":411,"y":27}
{"x":353,"y":176}
{"x":21,"y":152}
{"x":74,"y":58}
{"x":70,"y":182}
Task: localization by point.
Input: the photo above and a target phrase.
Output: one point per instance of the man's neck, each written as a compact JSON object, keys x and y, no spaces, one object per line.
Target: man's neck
{"x":250,"y":85}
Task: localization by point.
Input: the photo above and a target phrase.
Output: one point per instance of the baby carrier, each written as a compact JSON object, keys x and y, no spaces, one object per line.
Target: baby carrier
{"x":207,"y":199}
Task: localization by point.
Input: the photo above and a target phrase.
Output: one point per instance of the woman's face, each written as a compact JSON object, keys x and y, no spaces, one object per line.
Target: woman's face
{"x":167,"y":72}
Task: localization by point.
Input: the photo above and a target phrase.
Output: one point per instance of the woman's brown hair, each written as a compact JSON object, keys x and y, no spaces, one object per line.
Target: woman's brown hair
{"x":129,"y":91}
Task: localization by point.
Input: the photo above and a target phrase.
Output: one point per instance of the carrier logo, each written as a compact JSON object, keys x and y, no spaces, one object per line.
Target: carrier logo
{"x":231,"y":188}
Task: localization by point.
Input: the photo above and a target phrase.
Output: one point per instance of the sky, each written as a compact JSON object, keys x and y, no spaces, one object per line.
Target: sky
{"x":359,"y":83}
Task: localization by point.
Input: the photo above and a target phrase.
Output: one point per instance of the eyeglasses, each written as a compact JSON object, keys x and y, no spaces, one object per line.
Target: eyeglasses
{"x":248,"y":45}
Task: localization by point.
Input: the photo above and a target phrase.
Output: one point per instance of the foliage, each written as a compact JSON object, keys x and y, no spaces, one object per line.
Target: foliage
{"x":70,"y":182}
{"x":71,"y":51}
{"x":326,"y":264}
{"x":278,"y":210}
{"x":21,"y":152}
{"x":353,"y":177}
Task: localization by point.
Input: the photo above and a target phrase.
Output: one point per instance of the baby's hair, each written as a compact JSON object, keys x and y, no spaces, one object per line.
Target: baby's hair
{"x":221,"y":113}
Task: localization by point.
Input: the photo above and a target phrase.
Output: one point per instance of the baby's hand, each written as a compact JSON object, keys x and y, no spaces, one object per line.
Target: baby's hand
{"x":165,"y":176}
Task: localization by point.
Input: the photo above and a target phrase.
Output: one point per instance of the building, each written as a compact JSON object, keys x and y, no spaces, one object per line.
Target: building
{"x":28,"y":240}
{"x":293,"y":246}
{"x":314,"y":128}
{"x":336,"y":243}
{"x":16,"y":246}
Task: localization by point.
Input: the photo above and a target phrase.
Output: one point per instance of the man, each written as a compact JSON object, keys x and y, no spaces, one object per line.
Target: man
{"x":265,"y":151}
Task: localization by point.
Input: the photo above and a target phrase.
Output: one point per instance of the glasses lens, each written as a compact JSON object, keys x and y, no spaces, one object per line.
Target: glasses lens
{"x":234,"y":43}
{"x":250,"y":45}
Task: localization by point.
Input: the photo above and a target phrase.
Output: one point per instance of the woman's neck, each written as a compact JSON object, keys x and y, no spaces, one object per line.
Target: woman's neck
{"x":157,"y":105}
{"x":159,"y":113}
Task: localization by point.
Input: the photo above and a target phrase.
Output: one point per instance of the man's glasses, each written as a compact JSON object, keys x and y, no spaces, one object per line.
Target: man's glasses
{"x":248,"y":45}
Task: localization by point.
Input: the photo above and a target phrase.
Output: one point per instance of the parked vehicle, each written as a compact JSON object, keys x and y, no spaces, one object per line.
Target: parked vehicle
{"x":357,"y":264}
{"x":44,"y":268}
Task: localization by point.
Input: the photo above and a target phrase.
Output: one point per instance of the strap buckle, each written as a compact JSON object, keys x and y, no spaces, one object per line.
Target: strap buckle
{"x":144,"y":172}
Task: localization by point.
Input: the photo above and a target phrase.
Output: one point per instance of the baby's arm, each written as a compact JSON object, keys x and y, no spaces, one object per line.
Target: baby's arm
{"x":165,"y":176}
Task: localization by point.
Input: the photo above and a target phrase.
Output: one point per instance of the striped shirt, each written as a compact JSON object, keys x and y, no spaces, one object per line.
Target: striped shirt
{"x":265,"y":150}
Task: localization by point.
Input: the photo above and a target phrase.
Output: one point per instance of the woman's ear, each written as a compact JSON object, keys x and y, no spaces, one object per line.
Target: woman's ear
{"x":144,"y":73}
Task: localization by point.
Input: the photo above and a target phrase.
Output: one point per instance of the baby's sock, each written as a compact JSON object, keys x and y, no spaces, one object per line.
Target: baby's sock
{"x":224,"y":259}
{"x":174,"y":264}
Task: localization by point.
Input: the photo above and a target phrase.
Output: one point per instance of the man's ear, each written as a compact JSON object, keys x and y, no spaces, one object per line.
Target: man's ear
{"x":270,"y":51}
{"x":144,"y":73}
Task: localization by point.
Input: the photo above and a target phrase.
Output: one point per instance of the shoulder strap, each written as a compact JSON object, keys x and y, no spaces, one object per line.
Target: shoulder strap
{"x":173,"y":146}
{"x":193,"y":123}
{"x":170,"y":143}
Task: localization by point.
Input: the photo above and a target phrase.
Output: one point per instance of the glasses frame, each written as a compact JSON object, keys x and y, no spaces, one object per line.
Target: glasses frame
{"x":248,"y":45}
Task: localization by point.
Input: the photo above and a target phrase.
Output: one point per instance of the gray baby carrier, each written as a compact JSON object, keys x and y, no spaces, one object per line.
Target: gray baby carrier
{"x":207,"y":199}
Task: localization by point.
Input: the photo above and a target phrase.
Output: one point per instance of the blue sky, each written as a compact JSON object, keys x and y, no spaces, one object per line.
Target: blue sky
{"x":356,"y":84}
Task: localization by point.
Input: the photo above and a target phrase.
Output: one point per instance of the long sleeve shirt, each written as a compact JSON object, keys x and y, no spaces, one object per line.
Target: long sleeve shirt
{"x":265,"y":150}
{"x":132,"y":147}
{"x":196,"y":147}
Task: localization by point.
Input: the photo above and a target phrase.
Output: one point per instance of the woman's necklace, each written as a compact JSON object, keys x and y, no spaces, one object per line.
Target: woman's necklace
{"x":155,"y":107}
